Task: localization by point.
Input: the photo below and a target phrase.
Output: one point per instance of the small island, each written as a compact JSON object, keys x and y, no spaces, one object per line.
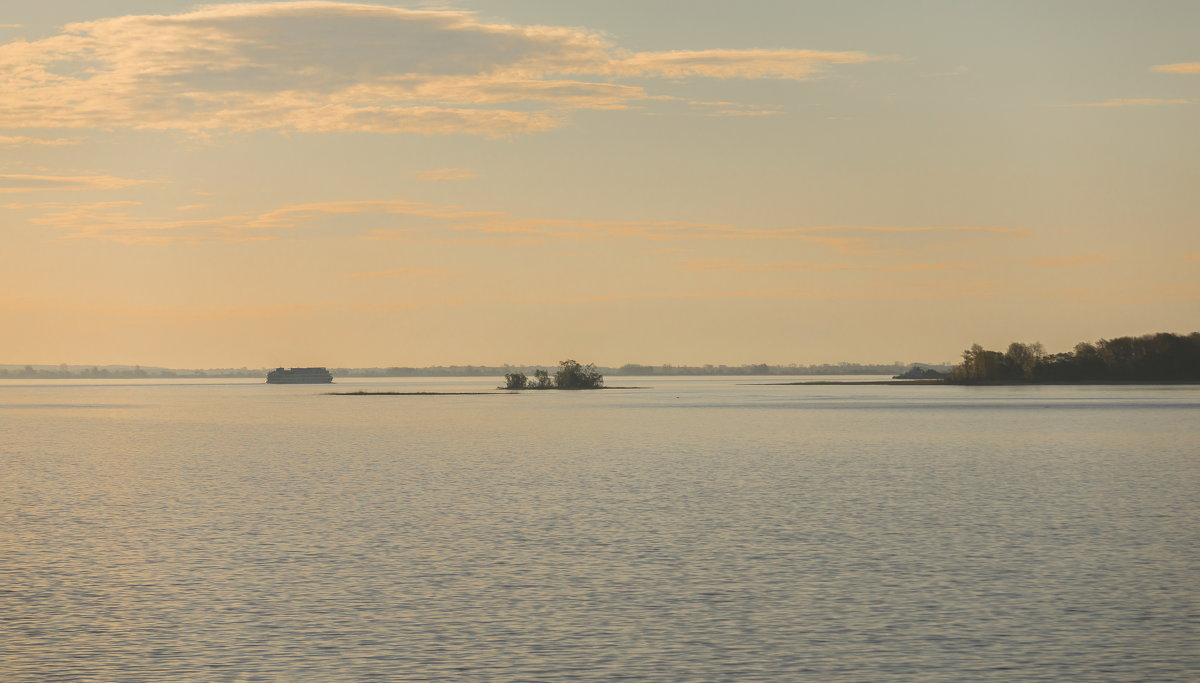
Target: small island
{"x":570,"y":376}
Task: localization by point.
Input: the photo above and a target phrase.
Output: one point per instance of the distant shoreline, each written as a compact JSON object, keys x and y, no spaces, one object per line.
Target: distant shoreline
{"x":455,"y":393}
{"x":415,"y":393}
{"x":537,"y":389}
{"x":94,"y":371}
{"x":881,"y":382}
{"x":942,"y":382}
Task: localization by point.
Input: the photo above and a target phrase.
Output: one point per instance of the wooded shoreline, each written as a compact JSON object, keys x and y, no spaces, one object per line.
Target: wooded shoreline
{"x":982,"y":383}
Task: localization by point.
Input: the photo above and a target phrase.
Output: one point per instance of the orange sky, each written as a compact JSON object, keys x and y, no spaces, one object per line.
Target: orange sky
{"x":320,"y":183}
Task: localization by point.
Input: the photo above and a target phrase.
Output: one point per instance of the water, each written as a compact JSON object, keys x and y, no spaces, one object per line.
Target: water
{"x":694,"y":530}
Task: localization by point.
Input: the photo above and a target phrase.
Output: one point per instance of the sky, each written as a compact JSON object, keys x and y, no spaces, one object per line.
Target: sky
{"x":614,"y":181}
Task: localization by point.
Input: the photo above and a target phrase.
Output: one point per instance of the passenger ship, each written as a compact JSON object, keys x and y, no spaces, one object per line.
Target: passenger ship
{"x":299,"y":376}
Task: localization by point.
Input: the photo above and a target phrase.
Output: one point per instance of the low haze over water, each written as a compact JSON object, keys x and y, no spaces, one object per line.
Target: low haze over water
{"x":694,"y":529}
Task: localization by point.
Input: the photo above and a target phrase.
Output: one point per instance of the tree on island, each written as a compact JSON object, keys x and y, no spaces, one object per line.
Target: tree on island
{"x":1149,"y":358}
{"x":571,"y":375}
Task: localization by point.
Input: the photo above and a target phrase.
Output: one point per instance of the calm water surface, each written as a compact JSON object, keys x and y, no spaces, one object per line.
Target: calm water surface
{"x":694,"y":530}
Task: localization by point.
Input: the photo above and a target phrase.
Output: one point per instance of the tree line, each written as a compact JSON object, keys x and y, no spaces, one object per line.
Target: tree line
{"x":629,"y":369}
{"x":1149,"y":358}
{"x":639,"y":370}
{"x":120,"y":372}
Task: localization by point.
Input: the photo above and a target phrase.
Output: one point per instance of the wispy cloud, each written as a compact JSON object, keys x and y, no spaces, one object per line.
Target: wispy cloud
{"x":1066,"y":261}
{"x":790,"y":64}
{"x":118,"y":221}
{"x":23,"y":141}
{"x":176,"y":312}
{"x":439,"y":174}
{"x":892,"y":291}
{"x":741,"y":266}
{"x":123,"y":222}
{"x":1178,"y":68}
{"x":1121,"y":294}
{"x":736,"y":109}
{"x":48,"y":183}
{"x":841,"y":238}
{"x":298,"y":214}
{"x":35,"y":206}
{"x":317,"y":66}
{"x":746,"y":112}
{"x":1130,"y":102}
{"x":406,"y":273}
{"x":901,"y":291}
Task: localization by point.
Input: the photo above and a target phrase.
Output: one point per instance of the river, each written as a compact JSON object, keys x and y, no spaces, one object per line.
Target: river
{"x":695,"y":529}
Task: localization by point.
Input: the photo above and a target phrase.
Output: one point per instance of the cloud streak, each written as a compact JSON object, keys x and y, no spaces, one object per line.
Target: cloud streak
{"x":746,"y":112}
{"x":24,"y":141}
{"x":740,"y":266}
{"x":406,"y":273}
{"x":316,"y":66}
{"x":786,"y":64}
{"x":841,"y":238}
{"x":1178,"y":68}
{"x":118,"y":221}
{"x":1067,"y":261}
{"x":443,"y":174}
{"x":1131,"y":102}
{"x":115,"y":222}
{"x":48,"y":183}
{"x":419,"y":222}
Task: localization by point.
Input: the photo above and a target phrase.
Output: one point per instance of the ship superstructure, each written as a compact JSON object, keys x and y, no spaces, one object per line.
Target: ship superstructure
{"x":299,"y":376}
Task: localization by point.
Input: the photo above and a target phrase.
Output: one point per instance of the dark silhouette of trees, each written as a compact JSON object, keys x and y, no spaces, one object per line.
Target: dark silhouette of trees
{"x":918,"y":372}
{"x":979,"y":364}
{"x":570,"y":375}
{"x":1024,"y":357}
{"x":1149,"y":358}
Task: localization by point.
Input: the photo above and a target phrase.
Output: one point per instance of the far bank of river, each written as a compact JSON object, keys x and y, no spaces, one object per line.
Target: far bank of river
{"x":909,"y":382}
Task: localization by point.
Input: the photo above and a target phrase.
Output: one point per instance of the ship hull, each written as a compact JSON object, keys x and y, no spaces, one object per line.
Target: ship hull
{"x":299,"y":376}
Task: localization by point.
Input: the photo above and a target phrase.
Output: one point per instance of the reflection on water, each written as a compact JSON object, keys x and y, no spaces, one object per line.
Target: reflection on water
{"x":698,"y":529}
